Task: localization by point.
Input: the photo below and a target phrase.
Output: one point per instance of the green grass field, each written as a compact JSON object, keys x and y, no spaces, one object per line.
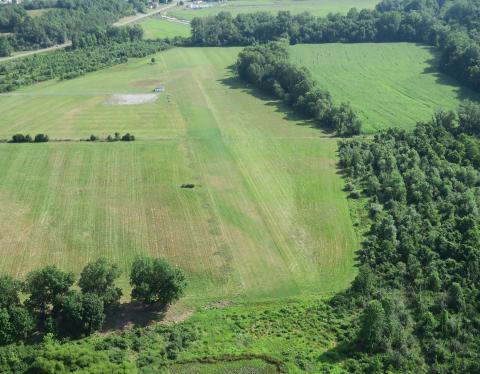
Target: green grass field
{"x":389,"y":85}
{"x":267,"y":218}
{"x":316,"y":7}
{"x":156,"y":27}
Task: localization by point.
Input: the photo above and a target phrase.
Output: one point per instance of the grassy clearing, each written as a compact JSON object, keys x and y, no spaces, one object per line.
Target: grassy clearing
{"x":316,"y":7}
{"x":267,"y":218}
{"x":288,"y":336}
{"x":389,"y":84}
{"x":159,"y":28}
{"x":300,"y":334}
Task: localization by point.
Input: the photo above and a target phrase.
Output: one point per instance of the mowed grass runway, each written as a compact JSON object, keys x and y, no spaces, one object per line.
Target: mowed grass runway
{"x":315,"y":7}
{"x":388,"y":84}
{"x":267,"y":218}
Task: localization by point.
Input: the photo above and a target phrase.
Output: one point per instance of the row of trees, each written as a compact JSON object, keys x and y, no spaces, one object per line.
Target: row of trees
{"x":71,"y":63}
{"x":52,"y":305}
{"x":449,"y":26}
{"x":116,"y":138}
{"x":419,"y":282}
{"x":267,"y":66}
{"x":20,"y":138}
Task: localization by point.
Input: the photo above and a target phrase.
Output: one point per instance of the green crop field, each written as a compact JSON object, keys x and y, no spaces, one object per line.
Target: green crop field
{"x":388,"y":84}
{"x":316,"y":7}
{"x":267,"y":217}
{"x":156,"y":27}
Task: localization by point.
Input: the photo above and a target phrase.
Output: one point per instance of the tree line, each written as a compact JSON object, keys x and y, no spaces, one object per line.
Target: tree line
{"x":20,"y":138}
{"x":73,"y":62}
{"x":451,"y":26}
{"x":417,"y":291}
{"x":267,"y":67}
{"x":115,"y":138}
{"x":52,"y":305}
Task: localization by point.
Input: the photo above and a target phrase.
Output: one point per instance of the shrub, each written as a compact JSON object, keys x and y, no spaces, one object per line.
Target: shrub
{"x":20,"y":138}
{"x":128,"y":137}
{"x":41,"y":138}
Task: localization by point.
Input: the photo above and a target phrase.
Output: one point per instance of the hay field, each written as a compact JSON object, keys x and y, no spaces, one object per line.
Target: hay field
{"x":267,"y":218}
{"x":388,"y":84}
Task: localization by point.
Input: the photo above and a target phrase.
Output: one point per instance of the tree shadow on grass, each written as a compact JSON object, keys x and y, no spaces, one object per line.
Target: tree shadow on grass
{"x":462,"y":92}
{"x":338,"y":354}
{"x":131,"y":315}
{"x":288,"y":113}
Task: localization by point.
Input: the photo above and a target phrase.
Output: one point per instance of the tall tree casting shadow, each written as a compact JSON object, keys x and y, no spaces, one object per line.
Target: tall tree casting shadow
{"x":235,"y":83}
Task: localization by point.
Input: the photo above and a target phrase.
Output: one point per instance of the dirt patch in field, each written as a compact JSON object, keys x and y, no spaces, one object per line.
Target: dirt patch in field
{"x":133,"y":99}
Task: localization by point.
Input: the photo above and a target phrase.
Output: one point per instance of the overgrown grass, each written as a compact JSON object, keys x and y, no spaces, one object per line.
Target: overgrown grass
{"x":289,"y":336}
{"x":388,"y":84}
{"x":299,"y":334}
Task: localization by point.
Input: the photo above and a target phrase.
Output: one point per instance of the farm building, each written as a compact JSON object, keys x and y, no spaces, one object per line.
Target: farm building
{"x":159,"y":89}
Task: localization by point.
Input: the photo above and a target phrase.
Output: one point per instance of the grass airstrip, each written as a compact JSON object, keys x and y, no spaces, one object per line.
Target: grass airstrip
{"x":267,"y":216}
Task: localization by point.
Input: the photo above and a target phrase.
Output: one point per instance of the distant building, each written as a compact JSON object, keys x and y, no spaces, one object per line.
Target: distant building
{"x":198,"y":4}
{"x":159,"y":89}
{"x":14,"y":2}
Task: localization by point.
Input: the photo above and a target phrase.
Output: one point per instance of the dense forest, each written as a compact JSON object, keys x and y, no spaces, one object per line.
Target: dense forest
{"x":451,"y":26}
{"x":59,"y":24}
{"x":267,"y":67}
{"x":419,"y":281}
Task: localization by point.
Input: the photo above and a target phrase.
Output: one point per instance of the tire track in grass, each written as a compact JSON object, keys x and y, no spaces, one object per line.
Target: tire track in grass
{"x":212,"y":264}
{"x":263,"y":212}
{"x":257,"y":174}
{"x":227,"y":242}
